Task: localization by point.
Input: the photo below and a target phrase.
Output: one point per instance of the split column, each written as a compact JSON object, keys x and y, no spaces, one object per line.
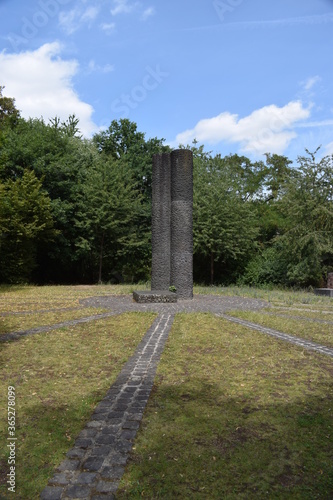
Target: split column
{"x":172,"y":225}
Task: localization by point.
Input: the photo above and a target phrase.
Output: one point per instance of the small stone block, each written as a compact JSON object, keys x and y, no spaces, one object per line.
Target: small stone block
{"x":77,"y":491}
{"x":324,"y":291}
{"x":86,"y":478}
{"x":131,"y":424}
{"x":161,"y":296}
{"x":60,"y":479}
{"x":93,"y":464}
{"x":112,"y":472}
{"x":106,"y":487}
{"x":68,"y":465}
{"x":76,"y":453}
{"x":50,"y":493}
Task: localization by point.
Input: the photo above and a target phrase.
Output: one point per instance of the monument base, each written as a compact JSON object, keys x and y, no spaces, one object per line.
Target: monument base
{"x":324,"y":291}
{"x":161,"y":296}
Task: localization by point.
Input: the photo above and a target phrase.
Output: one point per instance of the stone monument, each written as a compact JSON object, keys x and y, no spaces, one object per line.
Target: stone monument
{"x":329,"y":288}
{"x":172,"y":228}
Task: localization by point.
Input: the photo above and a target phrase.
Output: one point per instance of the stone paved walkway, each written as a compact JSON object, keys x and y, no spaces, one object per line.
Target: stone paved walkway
{"x":306,"y":344}
{"x":95,"y":465}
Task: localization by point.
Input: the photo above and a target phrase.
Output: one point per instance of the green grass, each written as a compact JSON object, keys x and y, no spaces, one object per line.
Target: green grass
{"x":59,"y":378}
{"x":17,"y":323}
{"x":318,"y":332}
{"x":234,"y":414}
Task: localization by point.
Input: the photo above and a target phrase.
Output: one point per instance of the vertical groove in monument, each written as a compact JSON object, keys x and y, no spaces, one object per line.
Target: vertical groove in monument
{"x":182,"y":222}
{"x":161,"y":216}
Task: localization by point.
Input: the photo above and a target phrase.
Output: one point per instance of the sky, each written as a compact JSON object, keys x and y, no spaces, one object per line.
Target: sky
{"x":239,"y":76}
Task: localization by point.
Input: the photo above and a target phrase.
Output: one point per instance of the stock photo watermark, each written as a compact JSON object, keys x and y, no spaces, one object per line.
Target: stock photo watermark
{"x":225,"y":7}
{"x":11,"y":445}
{"x":127,"y":102}
{"x":47,"y":9}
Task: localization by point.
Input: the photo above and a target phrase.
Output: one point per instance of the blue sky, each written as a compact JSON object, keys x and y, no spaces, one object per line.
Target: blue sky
{"x":240,"y":76}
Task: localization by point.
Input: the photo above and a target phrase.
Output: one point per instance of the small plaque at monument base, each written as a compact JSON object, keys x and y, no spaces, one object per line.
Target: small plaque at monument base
{"x":324,"y":291}
{"x":161,"y":296}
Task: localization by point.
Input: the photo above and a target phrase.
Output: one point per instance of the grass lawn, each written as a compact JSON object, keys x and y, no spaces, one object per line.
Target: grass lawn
{"x":233,"y":413}
{"x":59,"y":377}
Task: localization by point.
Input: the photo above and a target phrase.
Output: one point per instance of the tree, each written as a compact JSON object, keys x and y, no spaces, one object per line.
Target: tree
{"x":308,"y":208}
{"x":123,"y":141}
{"x":25,"y":221}
{"x":224,"y":226}
{"x":9,"y":114}
{"x":108,"y":217}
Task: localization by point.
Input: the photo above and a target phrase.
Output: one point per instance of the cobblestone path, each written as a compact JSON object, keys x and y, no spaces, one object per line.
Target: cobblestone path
{"x":96,"y":463}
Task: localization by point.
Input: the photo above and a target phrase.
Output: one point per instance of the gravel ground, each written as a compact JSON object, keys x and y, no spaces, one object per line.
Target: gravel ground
{"x":200,"y":303}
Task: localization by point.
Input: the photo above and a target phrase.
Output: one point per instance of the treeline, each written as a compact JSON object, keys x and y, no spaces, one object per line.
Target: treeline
{"x":79,"y":211}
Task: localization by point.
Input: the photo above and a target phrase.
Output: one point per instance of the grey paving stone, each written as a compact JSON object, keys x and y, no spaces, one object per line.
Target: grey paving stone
{"x":86,"y":478}
{"x":106,"y":439}
{"x":60,"y":479}
{"x":131,"y":424}
{"x":99,"y":451}
{"x":77,"y":491}
{"x":83,"y":443}
{"x":50,"y":493}
{"x":107,"y":487}
{"x":93,"y":464}
{"x":69,"y":465}
{"x":114,"y":472}
{"x":76,"y":453}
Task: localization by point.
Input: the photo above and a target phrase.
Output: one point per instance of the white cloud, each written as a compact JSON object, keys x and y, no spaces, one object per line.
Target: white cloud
{"x":107,"y":68}
{"x":72,"y":20}
{"x":268,"y":129}
{"x":311,"y":82}
{"x":41,"y":83}
{"x":148,"y":13}
{"x":128,"y":7}
{"x":328,"y":149}
{"x":122,"y":7}
{"x":108,"y":27}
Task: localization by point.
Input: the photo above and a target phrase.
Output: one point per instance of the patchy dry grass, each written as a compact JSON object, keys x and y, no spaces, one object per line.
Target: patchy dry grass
{"x":274,"y":296}
{"x":33,"y":298}
{"x":20,"y":322}
{"x":321,"y":333}
{"x":59,"y":378}
{"x":234,"y":414}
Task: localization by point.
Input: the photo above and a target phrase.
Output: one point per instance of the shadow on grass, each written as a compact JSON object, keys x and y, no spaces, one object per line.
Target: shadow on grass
{"x":45,"y":433}
{"x":201,"y":443}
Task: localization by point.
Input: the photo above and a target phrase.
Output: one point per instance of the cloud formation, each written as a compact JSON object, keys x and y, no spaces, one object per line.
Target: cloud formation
{"x":41,"y":83}
{"x":268,"y":129}
{"x":74,"y":19}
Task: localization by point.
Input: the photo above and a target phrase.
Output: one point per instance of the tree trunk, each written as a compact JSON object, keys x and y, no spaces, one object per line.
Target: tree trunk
{"x":212,"y":268}
{"x":101,"y":260}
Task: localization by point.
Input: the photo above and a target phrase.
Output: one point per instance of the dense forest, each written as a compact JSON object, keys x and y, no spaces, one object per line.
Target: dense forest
{"x":74,"y":210}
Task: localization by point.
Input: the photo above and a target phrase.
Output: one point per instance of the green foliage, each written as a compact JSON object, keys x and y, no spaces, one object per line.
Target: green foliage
{"x":254,"y":222}
{"x":25,"y":221}
{"x":220,"y":213}
{"x":108,"y":216}
{"x":307,"y":243}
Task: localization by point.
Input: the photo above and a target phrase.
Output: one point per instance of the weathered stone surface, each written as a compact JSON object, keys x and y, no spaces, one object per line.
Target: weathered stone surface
{"x":181,"y":275}
{"x":330,"y":280}
{"x":161,"y":229}
{"x":324,"y":291}
{"x":157,"y":296}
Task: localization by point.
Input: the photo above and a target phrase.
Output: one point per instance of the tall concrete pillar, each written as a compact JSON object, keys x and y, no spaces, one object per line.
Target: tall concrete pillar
{"x":161,"y":220}
{"x":182,"y":222}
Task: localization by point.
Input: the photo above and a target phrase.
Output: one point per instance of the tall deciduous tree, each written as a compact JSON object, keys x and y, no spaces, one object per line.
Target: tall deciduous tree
{"x":307,"y":204}
{"x":25,"y":222}
{"x":108,"y":218}
{"x":224,"y":225}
